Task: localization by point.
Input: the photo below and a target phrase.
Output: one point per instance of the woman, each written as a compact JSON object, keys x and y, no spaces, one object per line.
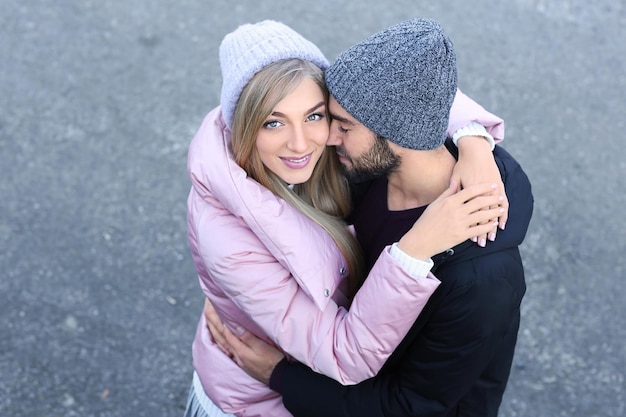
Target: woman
{"x":272,"y":252}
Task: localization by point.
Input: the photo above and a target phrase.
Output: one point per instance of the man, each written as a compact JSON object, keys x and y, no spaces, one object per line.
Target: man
{"x":391,"y":96}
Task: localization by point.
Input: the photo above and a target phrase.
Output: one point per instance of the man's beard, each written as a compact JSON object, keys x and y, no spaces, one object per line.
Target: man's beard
{"x":379,"y":160}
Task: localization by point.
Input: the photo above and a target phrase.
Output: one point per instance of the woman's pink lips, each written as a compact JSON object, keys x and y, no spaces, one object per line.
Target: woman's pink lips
{"x":297,"y":162}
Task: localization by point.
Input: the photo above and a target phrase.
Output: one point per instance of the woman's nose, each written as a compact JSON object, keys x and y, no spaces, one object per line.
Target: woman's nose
{"x":297,"y":142}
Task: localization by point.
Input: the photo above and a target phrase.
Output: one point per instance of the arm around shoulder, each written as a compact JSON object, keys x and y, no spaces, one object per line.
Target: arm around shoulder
{"x":464,"y":111}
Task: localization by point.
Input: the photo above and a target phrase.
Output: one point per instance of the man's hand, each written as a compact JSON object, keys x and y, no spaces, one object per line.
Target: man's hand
{"x":477,"y":165}
{"x":256,"y":357}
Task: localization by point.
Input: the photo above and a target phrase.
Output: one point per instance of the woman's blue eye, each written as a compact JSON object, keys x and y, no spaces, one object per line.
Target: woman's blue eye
{"x":272,"y":124}
{"x":314,"y":117}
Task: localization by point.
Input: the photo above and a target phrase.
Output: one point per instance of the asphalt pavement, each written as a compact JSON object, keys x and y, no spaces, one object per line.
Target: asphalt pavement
{"x":100,"y":99}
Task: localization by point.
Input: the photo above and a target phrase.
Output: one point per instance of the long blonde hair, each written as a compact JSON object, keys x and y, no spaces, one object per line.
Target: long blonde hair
{"x":325,"y":197}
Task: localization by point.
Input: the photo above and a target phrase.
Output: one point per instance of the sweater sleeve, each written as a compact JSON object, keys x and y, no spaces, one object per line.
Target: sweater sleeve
{"x":465,"y":111}
{"x":349,"y":346}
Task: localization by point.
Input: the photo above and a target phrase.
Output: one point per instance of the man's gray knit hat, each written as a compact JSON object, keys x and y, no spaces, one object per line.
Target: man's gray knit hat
{"x":252,"y":47}
{"x":400,"y":83}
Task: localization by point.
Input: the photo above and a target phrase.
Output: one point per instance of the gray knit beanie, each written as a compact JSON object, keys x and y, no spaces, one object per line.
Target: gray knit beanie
{"x":250,"y":48}
{"x":400,"y":83}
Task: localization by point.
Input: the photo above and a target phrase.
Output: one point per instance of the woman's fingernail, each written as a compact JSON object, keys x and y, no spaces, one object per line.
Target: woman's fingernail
{"x":474,"y":239}
{"x":492,"y":237}
{"x":502,"y":225}
{"x":482,"y":243}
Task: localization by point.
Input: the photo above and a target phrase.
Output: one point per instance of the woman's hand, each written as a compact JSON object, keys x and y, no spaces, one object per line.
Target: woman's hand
{"x":476,"y":165}
{"x":452,"y":218}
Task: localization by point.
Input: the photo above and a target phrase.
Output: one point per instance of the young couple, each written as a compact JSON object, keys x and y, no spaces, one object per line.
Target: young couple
{"x":361,"y":299}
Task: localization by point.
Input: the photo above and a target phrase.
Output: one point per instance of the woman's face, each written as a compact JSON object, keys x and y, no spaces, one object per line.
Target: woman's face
{"x":293,"y":136}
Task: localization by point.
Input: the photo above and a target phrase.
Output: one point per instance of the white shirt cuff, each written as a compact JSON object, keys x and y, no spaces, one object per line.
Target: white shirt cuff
{"x":414,"y":267}
{"x":473,"y":129}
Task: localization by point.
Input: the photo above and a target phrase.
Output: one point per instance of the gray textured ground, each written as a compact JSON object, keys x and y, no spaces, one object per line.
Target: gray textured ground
{"x":99,"y":100}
